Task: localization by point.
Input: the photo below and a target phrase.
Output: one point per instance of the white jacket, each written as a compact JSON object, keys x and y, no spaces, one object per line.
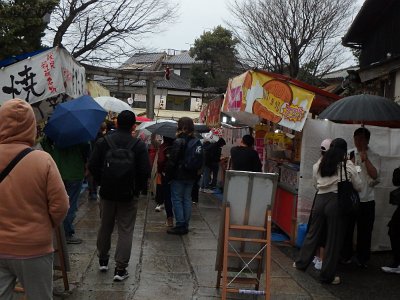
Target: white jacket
{"x":329,"y":184}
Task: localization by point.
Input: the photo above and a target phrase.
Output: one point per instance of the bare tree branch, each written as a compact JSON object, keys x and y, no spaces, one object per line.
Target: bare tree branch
{"x":290,"y":35}
{"x":105,"y":31}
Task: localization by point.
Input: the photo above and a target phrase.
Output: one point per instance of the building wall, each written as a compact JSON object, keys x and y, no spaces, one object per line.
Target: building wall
{"x":182,"y":100}
{"x":381,"y":42}
{"x":397,"y":87}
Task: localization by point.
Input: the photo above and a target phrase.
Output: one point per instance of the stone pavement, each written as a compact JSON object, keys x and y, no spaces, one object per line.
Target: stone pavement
{"x":165,"y":266}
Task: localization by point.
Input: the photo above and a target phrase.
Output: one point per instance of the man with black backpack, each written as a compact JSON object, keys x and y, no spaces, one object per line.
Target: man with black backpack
{"x":183,"y":166}
{"x":120,"y":163}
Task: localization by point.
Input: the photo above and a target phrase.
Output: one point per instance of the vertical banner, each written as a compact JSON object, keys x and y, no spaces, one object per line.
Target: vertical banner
{"x":214,"y":113}
{"x":73,"y":75}
{"x":42,"y":76}
{"x":203,"y":114}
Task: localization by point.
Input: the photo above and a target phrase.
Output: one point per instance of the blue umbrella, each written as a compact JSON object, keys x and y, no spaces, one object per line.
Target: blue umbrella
{"x":74,"y":122}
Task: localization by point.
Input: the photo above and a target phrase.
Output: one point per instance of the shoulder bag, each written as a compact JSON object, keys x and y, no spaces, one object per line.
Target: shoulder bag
{"x":14,"y":162}
{"x":395,"y":197}
{"x":348,"y":197}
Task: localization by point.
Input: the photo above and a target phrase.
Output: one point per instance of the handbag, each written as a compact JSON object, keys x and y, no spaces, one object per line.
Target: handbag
{"x":395,"y":197}
{"x":348,"y":197}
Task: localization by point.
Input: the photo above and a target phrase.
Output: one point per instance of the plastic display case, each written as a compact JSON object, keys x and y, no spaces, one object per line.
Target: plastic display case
{"x":289,"y":176}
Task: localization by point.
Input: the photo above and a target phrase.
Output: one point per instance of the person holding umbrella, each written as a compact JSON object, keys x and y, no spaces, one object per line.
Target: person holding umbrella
{"x":68,"y":131}
{"x":71,"y":161}
{"x":368,"y":164}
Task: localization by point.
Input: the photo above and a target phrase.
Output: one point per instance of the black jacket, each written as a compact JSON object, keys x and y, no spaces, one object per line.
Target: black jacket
{"x":245,"y":159}
{"x":96,"y":162}
{"x":212,"y":154}
{"x":175,"y":169}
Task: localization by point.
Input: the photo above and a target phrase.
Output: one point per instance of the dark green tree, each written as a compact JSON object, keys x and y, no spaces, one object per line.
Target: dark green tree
{"x":216,"y":50}
{"x":22,"y":25}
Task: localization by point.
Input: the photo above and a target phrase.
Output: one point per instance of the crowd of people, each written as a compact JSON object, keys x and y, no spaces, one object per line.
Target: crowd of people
{"x":118,"y":166}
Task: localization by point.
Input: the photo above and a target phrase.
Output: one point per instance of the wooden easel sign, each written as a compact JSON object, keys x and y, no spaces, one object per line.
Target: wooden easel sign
{"x":245,"y":232}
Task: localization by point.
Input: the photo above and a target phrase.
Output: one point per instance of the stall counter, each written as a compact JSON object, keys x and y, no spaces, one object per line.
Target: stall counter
{"x":284,"y":212}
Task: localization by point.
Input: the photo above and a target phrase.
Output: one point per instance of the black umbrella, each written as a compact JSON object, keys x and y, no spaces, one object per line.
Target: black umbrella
{"x":168,"y":129}
{"x":201,"y":128}
{"x":362,"y":109}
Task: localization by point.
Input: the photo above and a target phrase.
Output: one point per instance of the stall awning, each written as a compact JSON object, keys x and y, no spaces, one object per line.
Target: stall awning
{"x":274,"y":97}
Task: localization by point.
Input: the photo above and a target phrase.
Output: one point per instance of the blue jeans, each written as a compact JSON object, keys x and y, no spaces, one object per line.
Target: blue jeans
{"x":181,"y":197}
{"x":73,"y":188}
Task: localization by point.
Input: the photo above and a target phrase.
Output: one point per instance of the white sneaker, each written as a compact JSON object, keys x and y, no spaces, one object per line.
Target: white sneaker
{"x":120,"y":275}
{"x":208,"y":191}
{"x":103,"y":265}
{"x":318,"y":264}
{"x":336,"y":280}
{"x":159,"y":207}
{"x":395,"y":270}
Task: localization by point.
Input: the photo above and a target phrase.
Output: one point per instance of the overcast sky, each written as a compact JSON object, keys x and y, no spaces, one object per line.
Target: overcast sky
{"x":196,"y":16}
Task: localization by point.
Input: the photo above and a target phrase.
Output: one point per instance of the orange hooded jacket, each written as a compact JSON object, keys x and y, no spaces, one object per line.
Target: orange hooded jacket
{"x":33,"y":200}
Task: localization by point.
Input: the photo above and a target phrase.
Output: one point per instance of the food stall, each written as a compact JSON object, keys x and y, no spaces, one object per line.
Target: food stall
{"x":282,"y":105}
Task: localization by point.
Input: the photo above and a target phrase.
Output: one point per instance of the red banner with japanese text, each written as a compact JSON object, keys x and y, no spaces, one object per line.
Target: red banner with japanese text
{"x":214,"y":112}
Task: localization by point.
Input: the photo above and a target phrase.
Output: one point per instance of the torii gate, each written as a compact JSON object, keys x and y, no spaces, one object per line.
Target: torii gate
{"x":122,"y":74}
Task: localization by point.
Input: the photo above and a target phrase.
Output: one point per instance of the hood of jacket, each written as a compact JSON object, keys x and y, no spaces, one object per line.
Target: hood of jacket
{"x":18,"y":123}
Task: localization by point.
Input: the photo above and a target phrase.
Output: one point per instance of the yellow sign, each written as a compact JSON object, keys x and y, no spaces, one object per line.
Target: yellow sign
{"x":270,"y":98}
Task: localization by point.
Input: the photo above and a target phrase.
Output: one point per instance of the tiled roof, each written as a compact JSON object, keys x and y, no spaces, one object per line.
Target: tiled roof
{"x":175,"y":82}
{"x":151,"y":61}
{"x":143,"y":59}
{"x":342,"y":73}
{"x":181,"y":59}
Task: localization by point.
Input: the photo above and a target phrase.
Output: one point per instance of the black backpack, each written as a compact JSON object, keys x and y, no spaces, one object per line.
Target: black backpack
{"x":193,"y":160}
{"x":118,"y":174}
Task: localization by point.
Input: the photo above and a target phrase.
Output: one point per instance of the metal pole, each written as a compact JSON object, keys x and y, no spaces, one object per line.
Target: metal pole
{"x":150,"y":98}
